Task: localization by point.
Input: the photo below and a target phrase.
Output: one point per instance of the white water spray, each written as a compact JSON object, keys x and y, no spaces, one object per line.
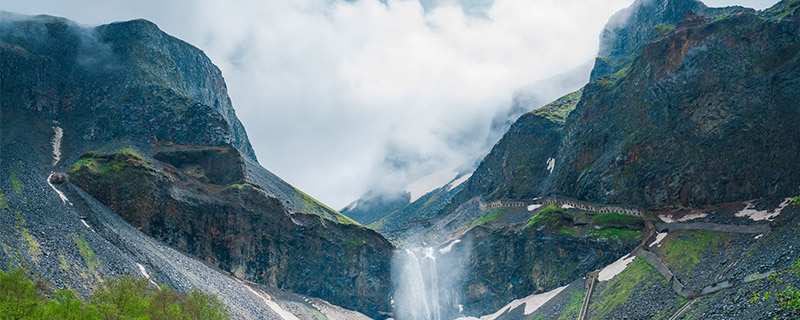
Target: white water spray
{"x":59,"y":133}
{"x":426,"y":283}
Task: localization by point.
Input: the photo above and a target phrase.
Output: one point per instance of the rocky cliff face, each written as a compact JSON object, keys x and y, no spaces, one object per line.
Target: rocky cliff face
{"x":552,"y":248}
{"x":209,"y":210}
{"x":511,"y":173}
{"x":698,"y":115}
{"x":115,"y":76}
{"x":701,"y":116}
{"x":148,"y":124}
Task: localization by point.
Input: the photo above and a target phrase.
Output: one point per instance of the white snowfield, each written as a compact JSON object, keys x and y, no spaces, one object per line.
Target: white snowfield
{"x":551,"y":164}
{"x":532,"y":303}
{"x":429,"y":183}
{"x":60,"y":194}
{"x":756,"y":215}
{"x":688,"y":217}
{"x":659,"y":236}
{"x":353,"y":206}
{"x":534,"y":207}
{"x":285,"y":315}
{"x":612,"y":270}
{"x":459,"y":181}
{"x":57,"y":135}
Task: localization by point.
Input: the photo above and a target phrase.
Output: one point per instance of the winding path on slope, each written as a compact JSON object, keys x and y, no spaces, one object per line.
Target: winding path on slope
{"x":653,"y":260}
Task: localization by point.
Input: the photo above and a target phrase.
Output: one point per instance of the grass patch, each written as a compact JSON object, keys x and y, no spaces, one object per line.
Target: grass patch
{"x":489,"y":216}
{"x":570,"y":231}
{"x":612,"y":79}
{"x":97,"y":162}
{"x":561,"y":108}
{"x":591,"y":225}
{"x":25,"y":236}
{"x":545,"y":215}
{"x":62,"y":262}
{"x":92,"y":262}
{"x":683,"y":251}
{"x":16,"y":185}
{"x":377,"y":224}
{"x":663,"y":29}
{"x":619,"y":289}
{"x":3,"y":203}
{"x":311,"y":205}
{"x":616,"y":219}
{"x":573,"y":308}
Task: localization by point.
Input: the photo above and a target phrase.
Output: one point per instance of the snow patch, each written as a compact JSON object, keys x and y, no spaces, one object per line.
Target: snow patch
{"x":758,"y":236}
{"x":551,"y":164}
{"x":659,"y":236}
{"x":353,"y":206}
{"x":87,"y":225}
{"x":612,"y":270}
{"x":756,"y":215}
{"x":566,"y":206}
{"x":688,"y":217}
{"x":429,"y":183}
{"x":147,"y":275}
{"x":449,"y":247}
{"x":285,"y":315}
{"x":458,"y":182}
{"x":143,"y":270}
{"x":534,"y":207}
{"x":532,"y":303}
{"x":60,"y":194}
{"x":334,"y":312}
{"x":59,"y":133}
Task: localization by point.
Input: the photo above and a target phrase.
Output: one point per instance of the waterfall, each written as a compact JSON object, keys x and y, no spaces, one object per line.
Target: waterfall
{"x":425,"y":283}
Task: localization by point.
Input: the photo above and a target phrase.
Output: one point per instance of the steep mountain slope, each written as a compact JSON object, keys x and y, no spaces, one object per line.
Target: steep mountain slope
{"x":116,"y":77}
{"x":689,"y":107}
{"x":147,"y":123}
{"x":510,"y":173}
{"x":654,"y":133}
{"x":74,"y":241}
{"x":700,"y":117}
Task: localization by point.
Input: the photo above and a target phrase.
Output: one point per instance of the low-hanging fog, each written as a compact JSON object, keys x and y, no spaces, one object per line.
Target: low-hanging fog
{"x":341,"y":97}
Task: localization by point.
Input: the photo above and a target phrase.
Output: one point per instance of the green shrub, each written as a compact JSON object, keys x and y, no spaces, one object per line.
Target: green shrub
{"x":18,"y":297}
{"x":125,"y":297}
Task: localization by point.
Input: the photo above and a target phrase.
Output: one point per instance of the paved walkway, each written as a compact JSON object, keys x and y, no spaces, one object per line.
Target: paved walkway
{"x":585,"y":305}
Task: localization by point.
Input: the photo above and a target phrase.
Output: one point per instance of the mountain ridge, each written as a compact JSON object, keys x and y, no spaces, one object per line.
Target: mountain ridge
{"x":144,"y":122}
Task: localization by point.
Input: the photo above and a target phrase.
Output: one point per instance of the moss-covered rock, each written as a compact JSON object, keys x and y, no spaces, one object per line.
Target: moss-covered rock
{"x":554,"y":247}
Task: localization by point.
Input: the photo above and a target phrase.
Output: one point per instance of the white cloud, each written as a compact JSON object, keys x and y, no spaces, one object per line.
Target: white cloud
{"x":339,"y":97}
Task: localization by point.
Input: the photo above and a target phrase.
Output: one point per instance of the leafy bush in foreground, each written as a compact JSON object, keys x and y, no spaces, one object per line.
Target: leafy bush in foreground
{"x":125,"y":297}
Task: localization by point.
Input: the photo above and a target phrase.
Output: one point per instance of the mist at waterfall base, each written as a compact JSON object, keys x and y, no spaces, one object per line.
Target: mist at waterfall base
{"x":427,"y":281}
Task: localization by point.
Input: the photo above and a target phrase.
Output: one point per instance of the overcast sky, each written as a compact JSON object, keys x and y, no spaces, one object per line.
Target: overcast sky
{"x":342,"y":97}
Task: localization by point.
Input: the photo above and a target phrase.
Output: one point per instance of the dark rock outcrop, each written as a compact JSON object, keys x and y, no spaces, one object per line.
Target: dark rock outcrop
{"x":211,"y":165}
{"x":237,"y":227}
{"x":703,"y":115}
{"x":510,"y":263}
{"x":125,"y":79}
